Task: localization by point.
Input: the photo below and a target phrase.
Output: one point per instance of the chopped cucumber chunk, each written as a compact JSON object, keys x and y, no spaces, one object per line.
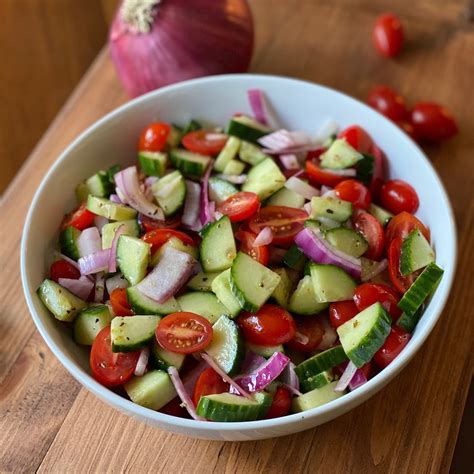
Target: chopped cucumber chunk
{"x":68,"y":242}
{"x":227,"y":154}
{"x":129,"y":333}
{"x":203,"y":303}
{"x":340,"y":155}
{"x":416,"y":253}
{"x":320,"y":362}
{"x":303,"y":300}
{"x":331,"y":283}
{"x":111,"y":210}
{"x":316,"y":398}
{"x":133,"y":257}
{"x":281,"y":294}
{"x":221,"y":288}
{"x":189,"y":163}
{"x":170,"y":192}
{"x":286,"y":197}
{"x":220,"y":190}
{"x":331,"y":208}
{"x":202,"y":281}
{"x":218,"y":248}
{"x":347,"y":240}
{"x":130,"y":227}
{"x":382,"y":215}
{"x":246,"y":128}
{"x":251,"y":154}
{"x":90,"y":322}
{"x":164,"y":359}
{"x":153,"y":163}
{"x":142,"y":304}
{"x":264,"y":179}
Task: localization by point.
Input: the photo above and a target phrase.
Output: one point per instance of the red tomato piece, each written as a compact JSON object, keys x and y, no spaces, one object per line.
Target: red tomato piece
{"x":152,"y":224}
{"x":119,"y":302}
{"x":354,"y":191}
{"x":309,"y":334}
{"x":209,"y":383}
{"x":433,"y":122}
{"x":388,"y":102}
{"x":388,"y":35}
{"x":174,"y":408}
{"x":402,"y":224}
{"x":184,"y":332}
{"x":285,"y":222}
{"x":111,"y":368}
{"x":320,"y":176}
{"x":367,"y":294}
{"x":281,"y":403}
{"x":357,"y":137}
{"x":153,"y":137}
{"x":401,"y":283}
{"x":158,"y":237}
{"x":398,"y":196}
{"x":393,"y":345}
{"x":378,"y":176}
{"x":198,"y":142}
{"x":341,"y":312}
{"x":240,"y":206}
{"x":372,"y":231}
{"x":409,"y":129}
{"x":81,"y":218}
{"x":247,"y":239}
{"x":269,"y":326}
{"x":63,"y":269}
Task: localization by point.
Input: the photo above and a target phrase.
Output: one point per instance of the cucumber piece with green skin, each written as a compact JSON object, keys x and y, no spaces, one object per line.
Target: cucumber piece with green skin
{"x":281,"y":294}
{"x":251,"y":282}
{"x":408,"y":322}
{"x":286,"y":197}
{"x":192,"y":126}
{"x":264,"y":351}
{"x":264,"y":179}
{"x":68,"y":242}
{"x":347,"y":241}
{"x":153,"y":163}
{"x":221,"y":288}
{"x":61,"y":302}
{"x":203,"y":303}
{"x":176,"y":244}
{"x":129,"y":333}
{"x":90,"y":322}
{"x":340,"y":155}
{"x":202,"y":281}
{"x":331,"y":283}
{"x":421,"y":288}
{"x":264,"y":400}
{"x":174,"y":137}
{"x":234,"y":167}
{"x":317,"y":381}
{"x":142,"y":304}
{"x":320,"y":362}
{"x":303,"y":299}
{"x":189,"y":163}
{"x":322,"y":224}
{"x":226,"y":346}
{"x":247,"y":128}
{"x":316,"y":398}
{"x":217,"y":249}
{"x":164,"y":359}
{"x":364,"y":334}
{"x":416,"y":253}
{"x":170,"y":192}
{"x":130,"y":227}
{"x":82,"y":192}
{"x":133,"y":258}
{"x":220,"y":190}
{"x":294,"y":258}
{"x":251,"y":154}
{"x":99,"y":184}
{"x":111,"y":210}
{"x":227,"y":154}
{"x":382,"y":215}
{"x":152,"y":390}
{"x":331,"y":208}
{"x":365,"y":169}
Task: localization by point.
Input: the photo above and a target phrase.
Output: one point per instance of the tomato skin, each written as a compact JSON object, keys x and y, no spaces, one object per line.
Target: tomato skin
{"x":152,"y":224}
{"x":355,"y":192}
{"x":269,"y":326}
{"x":433,"y":122}
{"x":378,"y":176}
{"x":409,"y":129}
{"x":63,"y":269}
{"x":320,"y":176}
{"x":174,"y":408}
{"x":357,"y":137}
{"x":183,"y":332}
{"x":261,"y":254}
{"x":240,"y":206}
{"x":197,"y":142}
{"x":312,"y":328}
{"x":81,"y":218}
{"x":388,"y":35}
{"x":393,"y":345}
{"x":281,"y":403}
{"x":401,"y":283}
{"x":158,"y":237}
{"x":402,"y":224}
{"x":372,"y":231}
{"x":341,"y":312}
{"x":398,"y":196}
{"x":119,"y":302}
{"x":367,"y":294}
{"x":209,"y":382}
{"x":388,"y":102}
{"x":153,"y":137}
{"x":109,"y":368}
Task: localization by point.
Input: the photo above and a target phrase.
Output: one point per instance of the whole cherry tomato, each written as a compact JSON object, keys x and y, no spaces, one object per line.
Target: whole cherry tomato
{"x":153,"y":137}
{"x":341,"y":312}
{"x":399,"y":196}
{"x":354,"y":191}
{"x":388,"y":35}
{"x":200,"y":142}
{"x":367,"y":294}
{"x":357,"y":137}
{"x":388,"y":102}
{"x":433,"y":122}
{"x":402,"y":224}
{"x":393,"y":345}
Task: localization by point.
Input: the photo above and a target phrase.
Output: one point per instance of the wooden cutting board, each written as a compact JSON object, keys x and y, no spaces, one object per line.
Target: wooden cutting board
{"x":48,"y":422}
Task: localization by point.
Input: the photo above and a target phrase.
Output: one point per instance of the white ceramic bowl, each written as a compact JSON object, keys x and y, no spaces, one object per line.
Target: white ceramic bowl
{"x":300,"y":105}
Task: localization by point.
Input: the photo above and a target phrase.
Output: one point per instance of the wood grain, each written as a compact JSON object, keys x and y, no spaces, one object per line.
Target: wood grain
{"x":411,"y":426}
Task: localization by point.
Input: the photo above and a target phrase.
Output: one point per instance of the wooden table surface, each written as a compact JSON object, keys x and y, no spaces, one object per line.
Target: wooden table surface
{"x":49,"y":423}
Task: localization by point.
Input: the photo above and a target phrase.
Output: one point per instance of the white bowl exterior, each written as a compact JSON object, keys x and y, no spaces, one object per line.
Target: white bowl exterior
{"x":300,"y":105}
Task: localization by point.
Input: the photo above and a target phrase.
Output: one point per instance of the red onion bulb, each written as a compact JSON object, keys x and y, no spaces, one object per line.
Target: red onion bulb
{"x":158,"y":42}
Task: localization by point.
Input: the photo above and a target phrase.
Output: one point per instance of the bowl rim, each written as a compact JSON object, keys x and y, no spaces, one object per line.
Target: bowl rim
{"x":335,"y":407}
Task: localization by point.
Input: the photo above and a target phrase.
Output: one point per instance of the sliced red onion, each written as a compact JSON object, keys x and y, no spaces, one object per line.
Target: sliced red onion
{"x":325,"y":189}
{"x":262,"y":111}
{"x":283,"y":140}
{"x":81,"y":287}
{"x":121,"y":198}
{"x":276,"y":255}
{"x":346,"y":377}
{"x":99,"y":289}
{"x":301,"y":338}
{"x":264,"y":237}
{"x":289,"y":377}
{"x":218,"y":215}
{"x":99,"y":222}
{"x":296,"y":149}
{"x":183,"y":394}
{"x":190,"y":379}
{"x":252,"y":362}
{"x":357,"y":380}
{"x":374,"y":269}
{"x":233,"y":178}
{"x":116,"y":281}
{"x":205,"y":214}
{"x":191,"y":204}
{"x":327,"y":130}
{"x":349,"y":172}
{"x":168,"y":276}
{"x":150,"y":181}
{"x":317,"y":249}
{"x":94,"y":263}
{"x":215,"y":136}
{"x":293,"y":390}
{"x":113,"y":249}
{"x":329,"y":336}
{"x":89,"y":241}
{"x":308,"y":208}
{"x":142,"y":362}
{"x":290,"y":161}
{"x":300,"y":187}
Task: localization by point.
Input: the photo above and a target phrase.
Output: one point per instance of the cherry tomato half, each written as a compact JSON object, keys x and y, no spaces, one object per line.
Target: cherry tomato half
{"x":111,"y":368}
{"x":269,"y":326}
{"x":433,"y":122}
{"x":341,"y":312}
{"x":247,"y":239}
{"x":151,"y":224}
{"x":398,"y":196}
{"x":184,"y":332}
{"x":309,"y":334}
{"x":281,"y":403}
{"x":388,"y":102}
{"x":209,"y":382}
{"x":402,"y":224}
{"x":320,"y":176}
{"x":354,"y":191}
{"x":373,"y":233}
{"x":119,"y":302}
{"x":63,"y":269}
{"x":198,"y":142}
{"x":367,"y":294}
{"x":378,"y":175}
{"x":285,"y":222}
{"x":158,"y":237}
{"x":240,"y":206}
{"x":401,"y":283}
{"x":357,"y":137}
{"x":153,"y":137}
{"x":393,"y":345}
{"x":81,"y":218}
{"x":388,"y":35}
